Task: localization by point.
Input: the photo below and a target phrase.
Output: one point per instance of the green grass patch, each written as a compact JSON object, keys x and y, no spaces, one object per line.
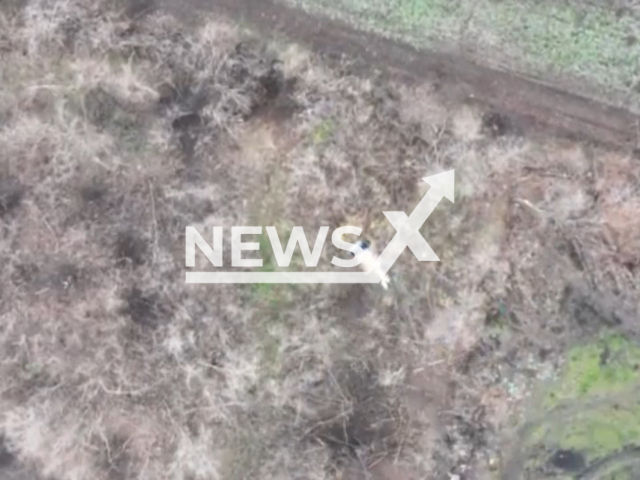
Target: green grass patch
{"x":323,"y":132}
{"x":597,"y":433}
{"x":593,"y":408}
{"x":607,"y":366}
{"x":272,"y":295}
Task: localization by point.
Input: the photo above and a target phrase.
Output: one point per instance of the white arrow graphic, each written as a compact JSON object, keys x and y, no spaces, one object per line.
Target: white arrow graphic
{"x":408,"y":235}
{"x":408,"y":228}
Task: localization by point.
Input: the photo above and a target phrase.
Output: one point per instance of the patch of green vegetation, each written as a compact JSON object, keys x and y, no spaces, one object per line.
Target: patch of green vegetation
{"x":323,"y":132}
{"x":266,"y":209}
{"x":618,"y":472}
{"x":569,"y":39}
{"x":597,"y":433}
{"x":593,"y":408}
{"x":268,"y":293}
{"x":276,"y":297}
{"x":274,"y":300}
{"x":607,"y":366}
{"x":618,"y":475}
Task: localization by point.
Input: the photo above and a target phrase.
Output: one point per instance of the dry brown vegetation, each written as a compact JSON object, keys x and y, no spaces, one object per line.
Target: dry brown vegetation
{"x":117,"y":132}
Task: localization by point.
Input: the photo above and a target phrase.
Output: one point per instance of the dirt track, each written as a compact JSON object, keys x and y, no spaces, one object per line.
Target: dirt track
{"x":531,"y":103}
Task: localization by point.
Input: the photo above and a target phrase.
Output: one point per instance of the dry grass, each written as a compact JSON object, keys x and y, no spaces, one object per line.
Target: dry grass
{"x":115,"y":134}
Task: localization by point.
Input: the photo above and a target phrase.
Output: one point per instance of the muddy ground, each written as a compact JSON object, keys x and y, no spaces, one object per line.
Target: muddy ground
{"x":120,"y":126}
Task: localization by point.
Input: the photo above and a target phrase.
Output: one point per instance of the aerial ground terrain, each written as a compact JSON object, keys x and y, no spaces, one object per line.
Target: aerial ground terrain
{"x":516,"y":357}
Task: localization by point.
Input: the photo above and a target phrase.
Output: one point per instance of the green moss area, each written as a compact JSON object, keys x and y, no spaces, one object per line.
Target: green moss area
{"x":592,"y":409}
{"x":571,"y":40}
{"x":594,"y":432}
{"x":607,"y":366}
{"x":602,"y":431}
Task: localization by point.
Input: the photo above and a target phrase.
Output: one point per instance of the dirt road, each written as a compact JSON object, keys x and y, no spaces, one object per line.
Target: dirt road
{"x":530,"y":102}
